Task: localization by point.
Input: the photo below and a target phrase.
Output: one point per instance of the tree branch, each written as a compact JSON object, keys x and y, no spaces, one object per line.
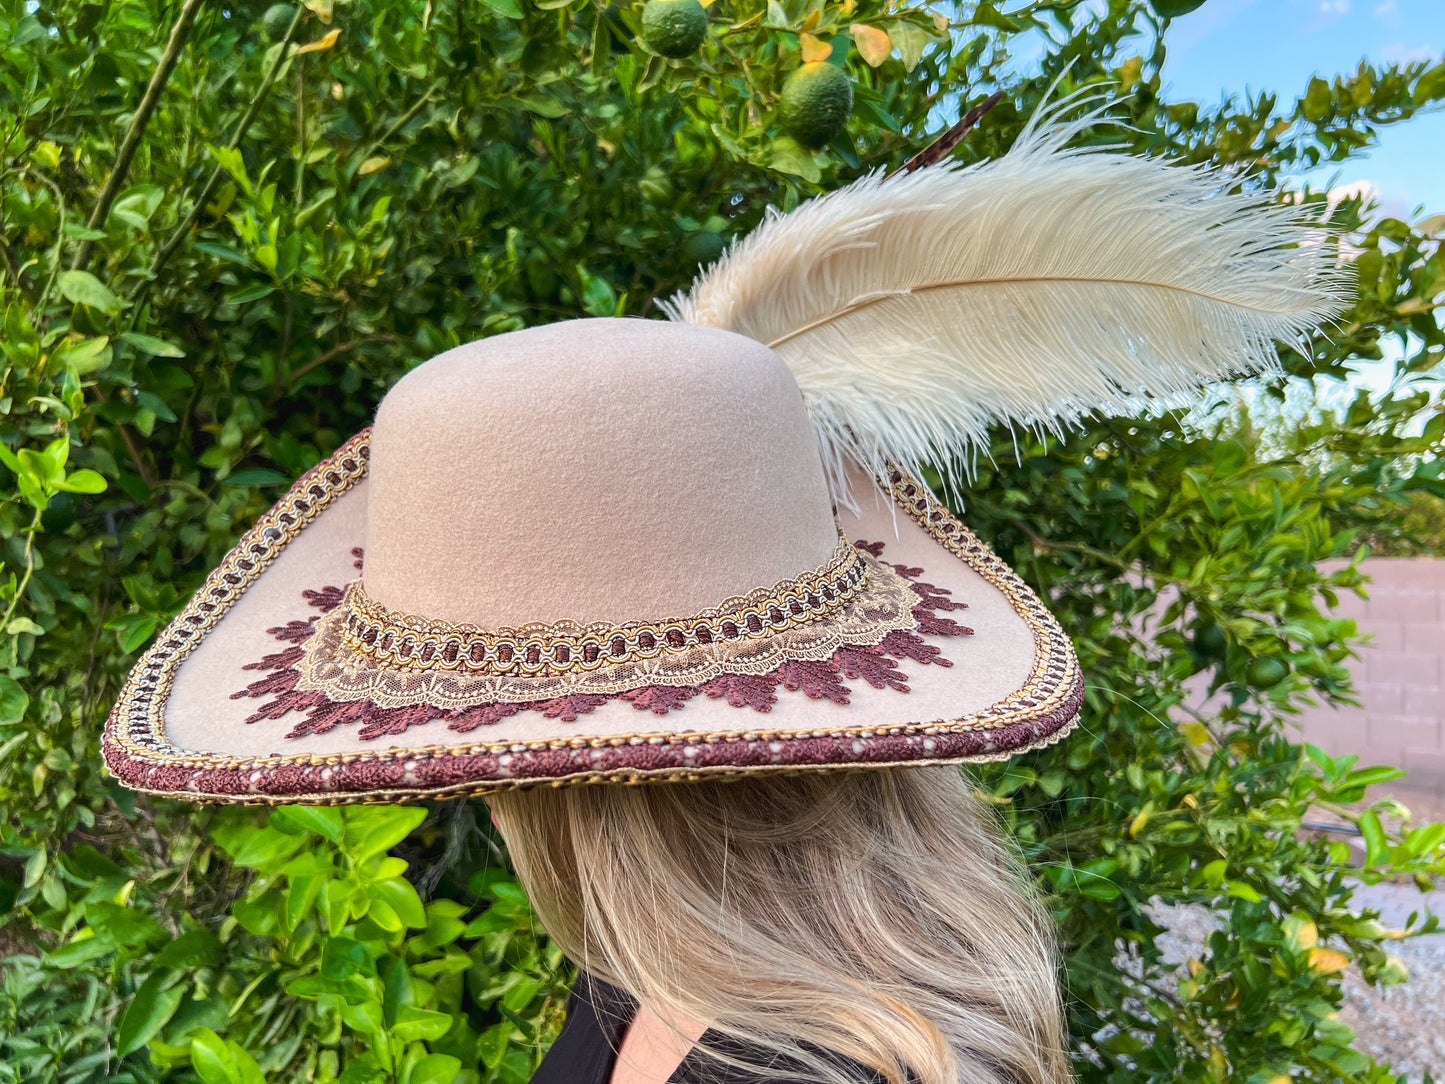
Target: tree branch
{"x":327,"y":356}
{"x":173,"y":242}
{"x":137,"y":128}
{"x":939,"y":148}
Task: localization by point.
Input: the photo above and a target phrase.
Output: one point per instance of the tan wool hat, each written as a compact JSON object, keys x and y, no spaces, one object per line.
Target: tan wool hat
{"x":628,"y":549}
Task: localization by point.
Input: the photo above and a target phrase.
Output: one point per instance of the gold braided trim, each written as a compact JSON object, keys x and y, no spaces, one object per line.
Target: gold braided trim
{"x":750,"y":634}
{"x":400,"y":641}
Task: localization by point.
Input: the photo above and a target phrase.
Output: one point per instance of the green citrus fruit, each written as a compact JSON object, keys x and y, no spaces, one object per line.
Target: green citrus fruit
{"x":1210,"y":640}
{"x":704,"y":246}
{"x":277,"y":20}
{"x":815,"y":104}
{"x":1168,"y":9}
{"x":674,"y":27}
{"x":1265,"y":673}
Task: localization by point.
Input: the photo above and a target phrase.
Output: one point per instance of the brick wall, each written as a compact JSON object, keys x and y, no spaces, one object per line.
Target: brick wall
{"x":1400,"y":675}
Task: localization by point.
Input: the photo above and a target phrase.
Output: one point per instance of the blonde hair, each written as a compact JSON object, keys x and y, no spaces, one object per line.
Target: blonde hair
{"x":877,"y":914}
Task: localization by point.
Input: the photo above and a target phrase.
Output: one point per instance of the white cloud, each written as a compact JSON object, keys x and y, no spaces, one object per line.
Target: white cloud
{"x":1389,"y":7}
{"x":1335,"y":7}
{"x":1397,"y":52}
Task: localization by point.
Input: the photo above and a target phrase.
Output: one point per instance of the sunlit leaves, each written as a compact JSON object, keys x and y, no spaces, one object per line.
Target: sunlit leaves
{"x":85,"y":289}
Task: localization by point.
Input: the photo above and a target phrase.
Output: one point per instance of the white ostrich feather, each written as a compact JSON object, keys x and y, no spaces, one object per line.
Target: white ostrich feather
{"x":1030,"y":290}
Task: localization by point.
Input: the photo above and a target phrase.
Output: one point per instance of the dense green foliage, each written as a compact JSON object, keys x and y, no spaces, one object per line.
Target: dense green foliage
{"x":206,"y":288}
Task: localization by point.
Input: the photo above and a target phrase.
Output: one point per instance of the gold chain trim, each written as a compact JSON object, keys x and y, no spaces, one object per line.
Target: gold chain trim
{"x":853,"y":599}
{"x":400,"y":641}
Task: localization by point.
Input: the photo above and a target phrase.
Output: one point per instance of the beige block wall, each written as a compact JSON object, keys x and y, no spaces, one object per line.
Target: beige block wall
{"x":1400,"y":675}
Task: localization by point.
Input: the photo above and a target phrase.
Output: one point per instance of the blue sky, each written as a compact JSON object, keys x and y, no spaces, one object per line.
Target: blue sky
{"x":1234,"y":46}
{"x":1230,"y":46}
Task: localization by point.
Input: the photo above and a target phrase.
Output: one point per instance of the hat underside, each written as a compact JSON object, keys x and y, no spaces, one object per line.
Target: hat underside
{"x":985,"y":673}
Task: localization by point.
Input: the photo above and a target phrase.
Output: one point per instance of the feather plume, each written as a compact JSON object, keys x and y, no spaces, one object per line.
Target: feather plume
{"x":1030,"y":290}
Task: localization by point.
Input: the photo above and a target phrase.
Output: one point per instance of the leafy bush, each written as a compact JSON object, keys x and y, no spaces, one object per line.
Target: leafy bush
{"x":226,"y":229}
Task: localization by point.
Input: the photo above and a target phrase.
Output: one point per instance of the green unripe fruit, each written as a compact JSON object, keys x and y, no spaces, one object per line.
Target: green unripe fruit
{"x":1210,"y":640}
{"x":815,"y":103}
{"x":1265,"y":673}
{"x":277,"y":20}
{"x":702,"y":247}
{"x":674,"y":28}
{"x":1168,"y":9}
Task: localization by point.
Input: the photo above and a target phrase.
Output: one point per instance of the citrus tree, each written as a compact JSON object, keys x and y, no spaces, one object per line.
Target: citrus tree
{"x":225,"y":230}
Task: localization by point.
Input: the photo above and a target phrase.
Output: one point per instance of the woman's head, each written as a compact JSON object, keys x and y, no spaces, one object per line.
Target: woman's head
{"x":877,"y":914}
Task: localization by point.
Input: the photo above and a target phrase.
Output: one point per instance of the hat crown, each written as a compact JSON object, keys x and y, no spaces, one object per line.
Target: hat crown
{"x":592,"y":470}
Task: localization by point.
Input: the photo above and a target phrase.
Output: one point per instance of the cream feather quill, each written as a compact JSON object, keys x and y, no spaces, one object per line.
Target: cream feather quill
{"x":1030,"y":290}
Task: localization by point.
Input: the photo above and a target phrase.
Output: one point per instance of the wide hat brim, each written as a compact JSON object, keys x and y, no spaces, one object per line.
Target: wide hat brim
{"x":205,"y":714}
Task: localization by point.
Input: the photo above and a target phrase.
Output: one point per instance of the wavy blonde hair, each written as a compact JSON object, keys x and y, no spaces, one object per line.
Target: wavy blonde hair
{"x":877,"y":914}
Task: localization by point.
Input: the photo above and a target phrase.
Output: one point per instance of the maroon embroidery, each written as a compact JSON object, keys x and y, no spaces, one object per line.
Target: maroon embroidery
{"x":567,"y":708}
{"x":872,"y":665}
{"x":820,"y":680}
{"x":745,"y":690}
{"x":481,"y":715}
{"x":659,"y":699}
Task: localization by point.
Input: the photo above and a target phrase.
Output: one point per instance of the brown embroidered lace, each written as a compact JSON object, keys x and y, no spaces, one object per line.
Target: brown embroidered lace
{"x":820,"y":678}
{"x":361,"y":651}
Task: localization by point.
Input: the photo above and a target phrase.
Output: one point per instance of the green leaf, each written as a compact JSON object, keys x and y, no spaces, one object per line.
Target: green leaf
{"x":370,"y":830}
{"x":83,"y":288}
{"x":195,"y":948}
{"x":342,"y":957}
{"x":223,"y":252}
{"x":413,"y":1023}
{"x":149,"y":344}
{"x":85,"y":357}
{"x":257,"y":477}
{"x":1377,"y":846}
{"x":985,"y":14}
{"x":363,"y":1069}
{"x":323,"y":820}
{"x":148,"y":1012}
{"x":215,"y":1060}
{"x":506,"y":8}
{"x":403,"y":899}
{"x":351,"y":988}
{"x":435,"y":1069}
{"x":1431,"y":85}
{"x":13,"y":701}
{"x":82,"y":481}
{"x":787,"y":155}
{"x":268,"y":846}
{"x":301,"y":895}
{"x":910,"y":42}
{"x":541,"y":104}
{"x":125,"y":926}
{"x":251,"y":293}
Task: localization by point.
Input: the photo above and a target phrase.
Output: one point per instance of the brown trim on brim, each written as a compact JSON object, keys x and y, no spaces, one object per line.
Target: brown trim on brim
{"x":420,"y":774}
{"x":138,"y":753}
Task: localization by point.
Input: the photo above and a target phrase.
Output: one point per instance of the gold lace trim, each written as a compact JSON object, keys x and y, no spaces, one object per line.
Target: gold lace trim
{"x":362,"y":651}
{"x":403,"y":642}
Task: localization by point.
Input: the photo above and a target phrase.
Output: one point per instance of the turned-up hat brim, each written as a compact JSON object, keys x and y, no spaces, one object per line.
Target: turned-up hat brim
{"x":211,"y":713}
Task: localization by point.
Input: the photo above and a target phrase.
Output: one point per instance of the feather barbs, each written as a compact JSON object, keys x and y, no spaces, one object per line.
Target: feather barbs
{"x":1031,"y":290}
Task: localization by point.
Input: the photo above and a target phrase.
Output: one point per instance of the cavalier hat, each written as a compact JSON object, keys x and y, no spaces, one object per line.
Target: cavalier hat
{"x":628,"y":549}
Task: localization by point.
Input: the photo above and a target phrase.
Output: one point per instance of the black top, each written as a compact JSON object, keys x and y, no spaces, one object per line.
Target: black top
{"x":598,"y":1015}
